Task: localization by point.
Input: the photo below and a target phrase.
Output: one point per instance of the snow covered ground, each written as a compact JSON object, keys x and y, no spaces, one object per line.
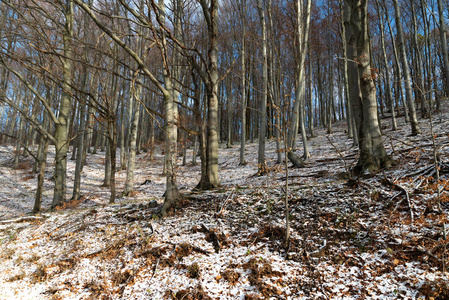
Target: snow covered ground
{"x":350,"y":239}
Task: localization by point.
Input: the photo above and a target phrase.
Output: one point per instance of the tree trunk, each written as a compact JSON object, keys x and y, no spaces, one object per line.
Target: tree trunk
{"x":172,"y":194}
{"x":229,"y":100}
{"x":210,"y":10}
{"x":80,"y":151}
{"x":310,"y":99}
{"x":129,"y":183}
{"x":387,"y":69}
{"x":421,"y":90}
{"x":362,"y":90}
{"x":262,"y":166}
{"x":330,"y":96}
{"x":61,"y":130}
{"x":444,"y":49}
{"x":40,"y":177}
{"x":243,"y":94}
{"x":405,"y":71}
{"x":297,"y":116}
{"x":122,"y":135}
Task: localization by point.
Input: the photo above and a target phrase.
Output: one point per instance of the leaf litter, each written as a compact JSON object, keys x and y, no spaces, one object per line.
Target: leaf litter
{"x":351,"y":238}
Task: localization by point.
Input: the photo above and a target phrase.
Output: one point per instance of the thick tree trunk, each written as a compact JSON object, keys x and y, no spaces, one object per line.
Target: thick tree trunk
{"x":172,"y":194}
{"x":210,"y":10}
{"x":61,"y":133}
{"x":362,"y":90}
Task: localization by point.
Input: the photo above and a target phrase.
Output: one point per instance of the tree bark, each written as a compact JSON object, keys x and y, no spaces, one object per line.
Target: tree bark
{"x":129,"y":183}
{"x":362,"y":90}
{"x":387,"y":69}
{"x":297,"y":116}
{"x":61,"y":133}
{"x":242,"y":9}
{"x":406,"y":71}
{"x":262,"y":165}
{"x":444,"y":49}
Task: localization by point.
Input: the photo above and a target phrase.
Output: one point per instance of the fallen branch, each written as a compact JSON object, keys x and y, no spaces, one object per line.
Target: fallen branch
{"x":318,"y":174}
{"x":23,"y":219}
{"x":224,"y":204}
{"x":117,"y":244}
{"x":403,"y":190}
{"x":194,"y":248}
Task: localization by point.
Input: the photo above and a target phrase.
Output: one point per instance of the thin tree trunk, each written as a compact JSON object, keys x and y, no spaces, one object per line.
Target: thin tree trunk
{"x":345,"y":73}
{"x":387,"y":70}
{"x":423,"y":91}
{"x":243,"y":75}
{"x":296,"y":116}
{"x":262,"y":166}
{"x":229,"y":100}
{"x":405,"y":71}
{"x":40,"y":177}
{"x":129,"y":183}
{"x":80,"y":151}
{"x":399,"y":87}
{"x":444,"y":49}
{"x":310,"y":98}
{"x":122,"y":135}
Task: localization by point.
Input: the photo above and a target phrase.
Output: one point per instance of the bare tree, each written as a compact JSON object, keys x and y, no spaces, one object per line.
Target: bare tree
{"x":262,"y":165}
{"x":297,"y":115}
{"x":405,"y":70}
{"x":362,"y":90}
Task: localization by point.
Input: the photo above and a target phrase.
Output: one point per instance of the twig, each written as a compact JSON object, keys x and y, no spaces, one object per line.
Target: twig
{"x":340,"y":154}
{"x":224,"y":204}
{"x":155,"y":269}
{"x":403,"y":190}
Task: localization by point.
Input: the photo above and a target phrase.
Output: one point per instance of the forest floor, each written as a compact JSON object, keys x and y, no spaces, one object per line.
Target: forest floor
{"x":376,"y":237}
